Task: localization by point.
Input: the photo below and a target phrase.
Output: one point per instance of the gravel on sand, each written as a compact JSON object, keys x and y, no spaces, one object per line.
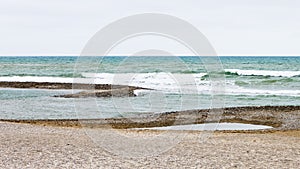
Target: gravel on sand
{"x":36,"y":146}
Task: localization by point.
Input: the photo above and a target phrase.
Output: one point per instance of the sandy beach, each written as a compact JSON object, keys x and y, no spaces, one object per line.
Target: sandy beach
{"x":36,"y":146}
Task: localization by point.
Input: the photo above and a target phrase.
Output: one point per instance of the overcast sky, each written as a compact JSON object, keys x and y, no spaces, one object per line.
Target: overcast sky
{"x":234,"y":27}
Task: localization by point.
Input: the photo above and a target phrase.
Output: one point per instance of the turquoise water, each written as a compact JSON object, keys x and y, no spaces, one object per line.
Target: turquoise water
{"x":249,"y":81}
{"x":64,"y":66}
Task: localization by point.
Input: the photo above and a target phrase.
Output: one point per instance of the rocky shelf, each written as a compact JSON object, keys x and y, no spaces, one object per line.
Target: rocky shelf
{"x":89,"y":90}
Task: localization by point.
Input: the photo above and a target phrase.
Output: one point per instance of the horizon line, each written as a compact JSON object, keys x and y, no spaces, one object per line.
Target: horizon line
{"x":148,"y":56}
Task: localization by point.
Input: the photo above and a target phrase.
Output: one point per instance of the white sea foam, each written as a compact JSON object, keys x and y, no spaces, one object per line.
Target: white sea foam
{"x":181,"y":84}
{"x":36,"y":79}
{"x":236,"y":90}
{"x":168,"y":82}
{"x":264,"y":73}
{"x":45,"y":79}
{"x":163,"y":82}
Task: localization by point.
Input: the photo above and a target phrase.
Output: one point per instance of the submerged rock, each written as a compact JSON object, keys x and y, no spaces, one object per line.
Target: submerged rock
{"x":123,"y":92}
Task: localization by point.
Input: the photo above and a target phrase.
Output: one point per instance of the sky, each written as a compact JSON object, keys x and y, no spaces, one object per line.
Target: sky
{"x":233,"y":27}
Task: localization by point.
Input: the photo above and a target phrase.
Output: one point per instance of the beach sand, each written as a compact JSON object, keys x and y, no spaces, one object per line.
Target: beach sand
{"x":37,"y":146}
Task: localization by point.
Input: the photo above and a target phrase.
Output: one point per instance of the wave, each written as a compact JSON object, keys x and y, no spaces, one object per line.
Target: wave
{"x":277,"y":81}
{"x":236,"y":90}
{"x":41,"y":75}
{"x":161,"y":82}
{"x":271,"y":73}
{"x":36,"y":79}
{"x":139,"y":79}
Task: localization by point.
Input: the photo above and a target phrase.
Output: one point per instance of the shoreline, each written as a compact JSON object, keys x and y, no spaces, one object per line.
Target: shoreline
{"x":281,"y":118}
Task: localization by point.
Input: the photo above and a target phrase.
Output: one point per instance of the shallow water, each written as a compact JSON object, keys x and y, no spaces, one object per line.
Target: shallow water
{"x":40,"y":104}
{"x":212,"y":127}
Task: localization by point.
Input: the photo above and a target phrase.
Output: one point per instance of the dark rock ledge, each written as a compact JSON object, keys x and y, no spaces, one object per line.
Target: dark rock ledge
{"x":89,"y":90}
{"x":282,"y":118}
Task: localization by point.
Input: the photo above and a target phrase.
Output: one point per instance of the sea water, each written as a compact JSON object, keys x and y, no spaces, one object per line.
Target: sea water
{"x":179,"y":83}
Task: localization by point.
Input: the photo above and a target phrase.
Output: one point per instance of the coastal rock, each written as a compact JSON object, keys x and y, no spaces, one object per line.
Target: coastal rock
{"x":90,"y":90}
{"x":123,"y":92}
{"x":55,"y":85}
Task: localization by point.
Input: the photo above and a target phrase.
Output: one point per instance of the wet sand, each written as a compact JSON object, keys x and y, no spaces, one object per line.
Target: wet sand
{"x":281,"y":118}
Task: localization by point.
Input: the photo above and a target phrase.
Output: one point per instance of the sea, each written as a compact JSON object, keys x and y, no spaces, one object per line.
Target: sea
{"x":177,"y":83}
